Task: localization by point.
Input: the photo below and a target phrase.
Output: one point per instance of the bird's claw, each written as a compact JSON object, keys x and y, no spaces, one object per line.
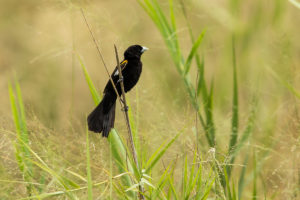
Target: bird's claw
{"x":120,"y":80}
{"x":125,"y":108}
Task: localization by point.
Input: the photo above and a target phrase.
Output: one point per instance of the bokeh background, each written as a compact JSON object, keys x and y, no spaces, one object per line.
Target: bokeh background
{"x":39,"y":41}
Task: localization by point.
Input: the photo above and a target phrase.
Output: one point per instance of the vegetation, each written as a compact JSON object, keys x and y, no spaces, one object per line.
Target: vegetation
{"x":214,"y":116}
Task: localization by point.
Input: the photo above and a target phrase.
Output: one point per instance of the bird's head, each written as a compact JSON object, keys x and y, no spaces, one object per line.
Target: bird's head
{"x":134,"y":51}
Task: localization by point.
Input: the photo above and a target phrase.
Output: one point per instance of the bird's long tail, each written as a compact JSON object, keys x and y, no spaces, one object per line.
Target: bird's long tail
{"x":102,"y":118}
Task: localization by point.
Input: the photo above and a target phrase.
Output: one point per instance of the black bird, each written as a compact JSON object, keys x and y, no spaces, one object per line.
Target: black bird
{"x":102,"y":118}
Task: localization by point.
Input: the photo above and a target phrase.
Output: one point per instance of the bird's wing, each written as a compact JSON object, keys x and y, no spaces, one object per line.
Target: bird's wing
{"x":122,"y":65}
{"x":115,"y":76}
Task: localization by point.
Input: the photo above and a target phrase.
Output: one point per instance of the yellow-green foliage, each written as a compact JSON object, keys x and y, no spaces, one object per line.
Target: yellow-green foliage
{"x":214,"y":115}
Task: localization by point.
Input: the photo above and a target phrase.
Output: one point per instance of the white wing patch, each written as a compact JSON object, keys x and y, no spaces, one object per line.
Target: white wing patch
{"x":116,"y":73}
{"x":123,"y":63}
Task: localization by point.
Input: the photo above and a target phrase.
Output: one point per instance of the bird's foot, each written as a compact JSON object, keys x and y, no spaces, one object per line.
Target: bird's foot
{"x":120,"y":80}
{"x":125,"y":108}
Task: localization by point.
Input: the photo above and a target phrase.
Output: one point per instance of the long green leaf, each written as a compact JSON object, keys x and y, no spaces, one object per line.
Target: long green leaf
{"x":199,"y":180}
{"x":162,"y":181}
{"x":185,"y":176}
{"x":192,"y":53}
{"x":242,"y":177}
{"x":14,"y":109}
{"x":207,"y":189}
{"x":23,"y":126}
{"x":119,"y":153}
{"x":161,"y":16}
{"x":134,"y":129}
{"x":22,"y":153}
{"x":174,"y":33}
{"x":246,"y":133}
{"x":235,"y":117}
{"x":227,"y":185}
{"x":173,"y":190}
{"x":210,"y":127}
{"x":158,"y":154}
{"x":22,"y":114}
{"x":64,"y":182}
{"x":193,"y":179}
{"x":95,"y":94}
{"x":233,"y":191}
{"x":201,"y":82}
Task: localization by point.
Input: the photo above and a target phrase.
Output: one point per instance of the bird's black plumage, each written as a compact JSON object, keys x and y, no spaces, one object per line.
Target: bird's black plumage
{"x":102,"y":118}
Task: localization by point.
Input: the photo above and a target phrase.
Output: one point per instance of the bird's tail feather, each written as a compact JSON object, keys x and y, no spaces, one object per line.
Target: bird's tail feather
{"x":95,"y":119}
{"x":102,"y":118}
{"x":109,"y":121}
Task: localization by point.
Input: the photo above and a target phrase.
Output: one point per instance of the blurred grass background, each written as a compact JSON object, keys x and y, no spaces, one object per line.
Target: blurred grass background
{"x":37,"y":42}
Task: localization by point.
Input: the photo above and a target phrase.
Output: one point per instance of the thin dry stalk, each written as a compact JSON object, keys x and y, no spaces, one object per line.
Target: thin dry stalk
{"x":125,"y":109}
{"x":124,"y":105}
{"x":100,"y":54}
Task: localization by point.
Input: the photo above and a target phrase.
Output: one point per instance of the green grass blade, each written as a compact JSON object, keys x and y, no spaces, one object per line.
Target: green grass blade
{"x":57,"y":193}
{"x":95,"y":94}
{"x":192,"y":179}
{"x":172,"y":15}
{"x":88,"y":167}
{"x":135,"y":136}
{"x":210,"y":127}
{"x":119,"y":153}
{"x":170,"y":37}
{"x":199,"y":180}
{"x":162,"y":18}
{"x":207,"y":189}
{"x":254,"y":191}
{"x":242,"y":178}
{"x":173,"y":190}
{"x":167,"y":31}
{"x":235,"y":117}
{"x":153,"y":10}
{"x":174,"y":34}
{"x":227,"y":185}
{"x":158,"y":154}
{"x":200,"y":65}
{"x":246,"y":133}
{"x":161,"y":183}
{"x":207,"y":98}
{"x":295,"y":3}
{"x":185,"y":176}
{"x":64,"y":182}
{"x":201,"y":82}
{"x":233,"y":192}
{"x":235,"y":122}
{"x":21,"y":152}
{"x":192,"y":170}
{"x":14,"y":109}
{"x":192,"y":53}
{"x":22,"y":120}
{"x":45,"y":195}
{"x":23,"y":128}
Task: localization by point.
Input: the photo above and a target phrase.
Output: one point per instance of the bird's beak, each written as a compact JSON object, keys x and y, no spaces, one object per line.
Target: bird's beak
{"x":144,"y":49}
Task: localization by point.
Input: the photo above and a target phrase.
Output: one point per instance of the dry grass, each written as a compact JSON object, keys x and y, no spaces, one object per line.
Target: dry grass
{"x":36,"y":44}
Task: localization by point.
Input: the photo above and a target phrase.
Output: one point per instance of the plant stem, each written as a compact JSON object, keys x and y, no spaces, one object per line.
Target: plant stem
{"x":100,"y":54}
{"x":125,"y":109}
